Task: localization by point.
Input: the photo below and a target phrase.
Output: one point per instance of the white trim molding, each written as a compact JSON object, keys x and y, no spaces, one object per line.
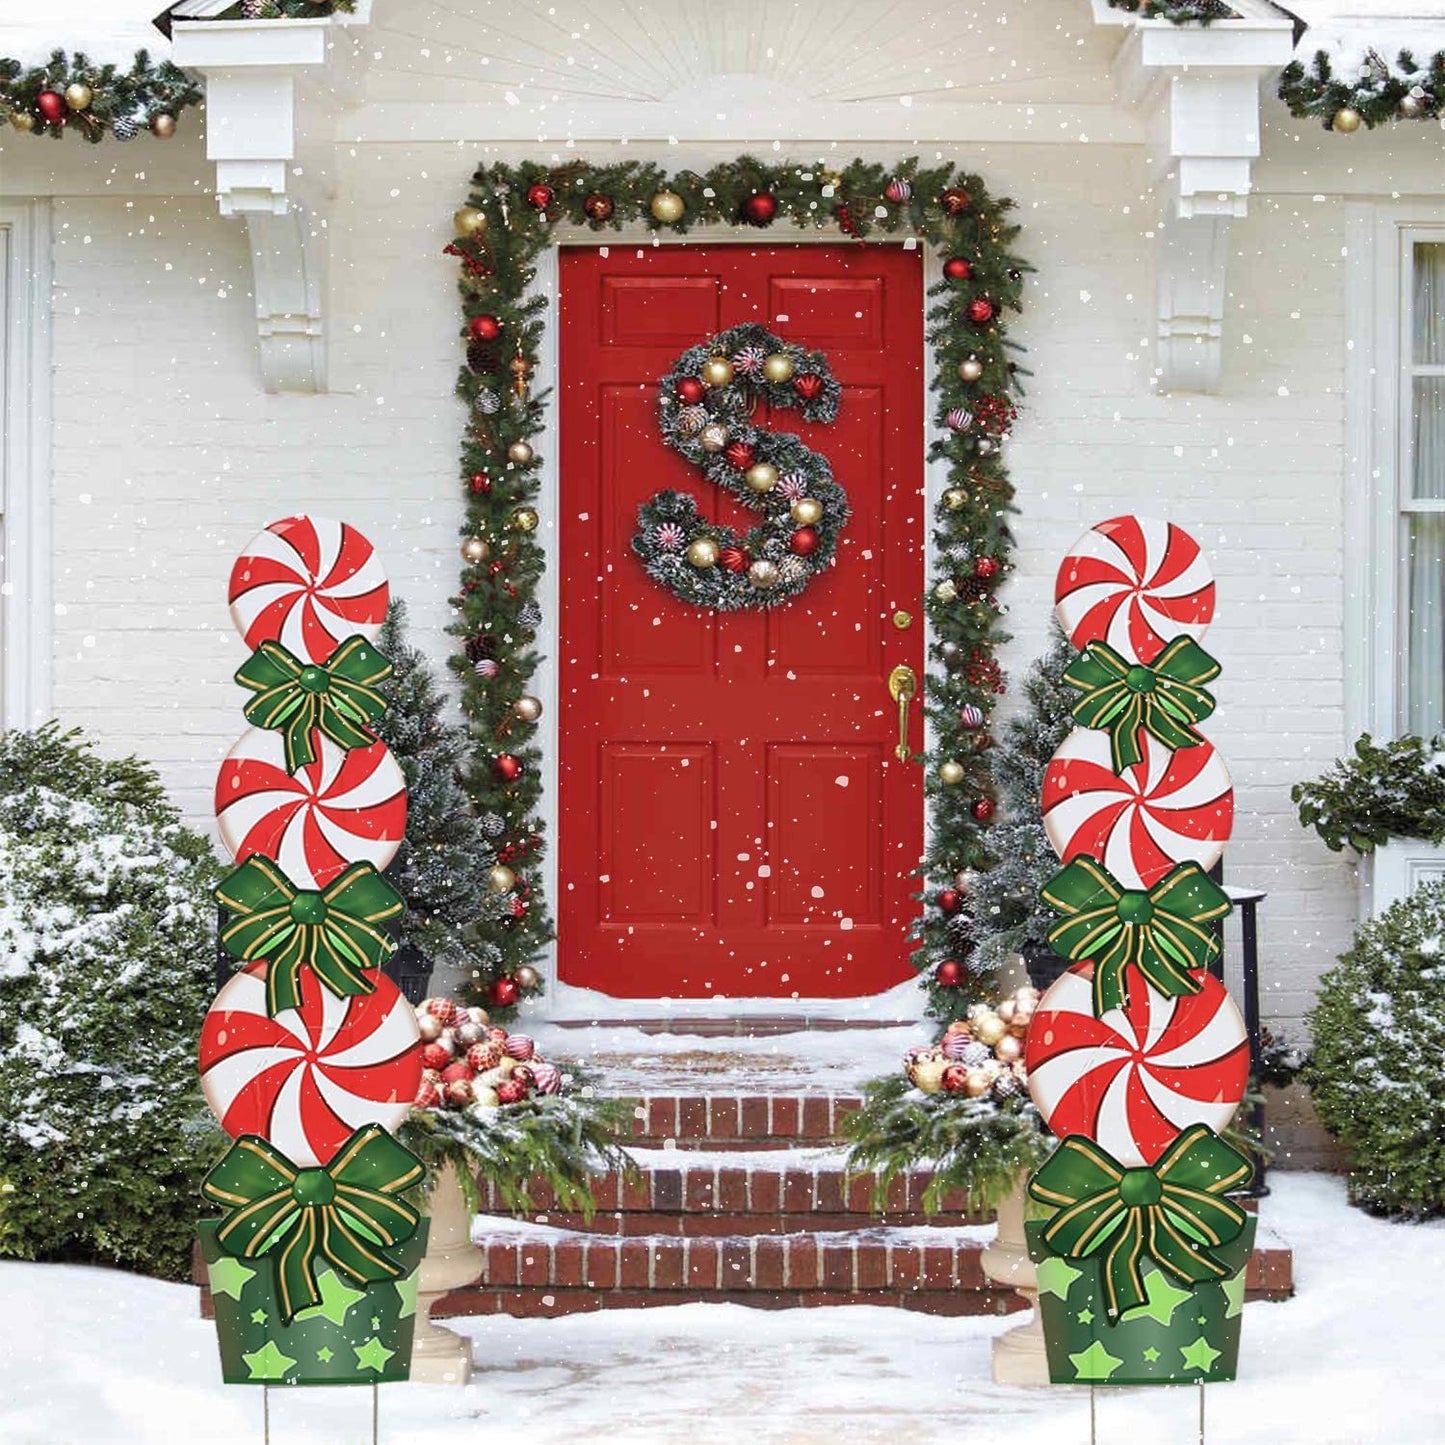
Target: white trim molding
{"x":26,"y":606}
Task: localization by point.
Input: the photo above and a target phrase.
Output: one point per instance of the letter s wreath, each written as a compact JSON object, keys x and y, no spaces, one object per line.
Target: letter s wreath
{"x":706,"y":404}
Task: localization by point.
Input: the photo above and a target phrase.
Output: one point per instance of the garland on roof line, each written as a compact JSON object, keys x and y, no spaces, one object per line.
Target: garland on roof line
{"x":71,"y":93}
{"x":284,"y":9}
{"x":1178,"y":12}
{"x":1377,"y":93}
{"x":507,"y":222}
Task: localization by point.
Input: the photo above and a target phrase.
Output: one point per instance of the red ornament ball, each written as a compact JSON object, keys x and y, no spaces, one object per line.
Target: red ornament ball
{"x":983,"y":809}
{"x":539,"y":197}
{"x":950,"y":900}
{"x":598,"y":207}
{"x":436,"y":1056}
{"x":480,"y":482}
{"x":949,"y":973}
{"x":51,"y":105}
{"x":760,"y":209}
{"x":484,"y":328}
{"x":971,"y":716}
{"x":508,"y":767}
{"x":484,"y":1056}
{"x":803,"y":542}
{"x":956,"y":268}
{"x":809,"y":385}
{"x":981,"y":310}
{"x":955,"y":201}
{"x":734,"y":559}
{"x":955,"y":1079}
{"x":458,"y":1070}
{"x":986,"y":567}
{"x":690,"y":391}
{"x":739,"y":455}
{"x":503,"y":992}
{"x":519,"y":908}
{"x":511,"y":1091}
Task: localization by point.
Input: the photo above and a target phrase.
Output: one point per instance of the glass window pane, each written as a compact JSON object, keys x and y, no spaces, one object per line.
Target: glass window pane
{"x":1429,"y":328}
{"x":1425,"y":626}
{"x":1428,"y":448}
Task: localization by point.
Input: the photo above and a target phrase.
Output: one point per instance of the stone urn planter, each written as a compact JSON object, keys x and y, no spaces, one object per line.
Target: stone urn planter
{"x":1396,"y":869}
{"x":1019,"y":1356}
{"x":440,"y":1357}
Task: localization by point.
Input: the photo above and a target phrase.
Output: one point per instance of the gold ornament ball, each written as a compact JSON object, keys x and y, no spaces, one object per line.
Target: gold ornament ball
{"x":989,"y":1029}
{"x":970,"y":368}
{"x":763,"y":574}
{"x":528,"y":708}
{"x":79,"y":96}
{"x":762,"y":477}
{"x":778,"y":366}
{"x":1347,"y":120}
{"x":1006,"y":1010}
{"x":807,"y":511}
{"x":950,"y":772}
{"x":713,"y":437}
{"x":976,"y":1083}
{"x":955,"y":499}
{"x":927,"y":1074}
{"x":163,"y":126}
{"x":525,"y":519}
{"x":1411,"y":107}
{"x":501,"y":879}
{"x":527,"y":976}
{"x":703,"y":553}
{"x":475,"y":549}
{"x":521,"y":453}
{"x":22,"y":120}
{"x":946,"y":591}
{"x":716,"y":371}
{"x":963,"y":880}
{"x":1009,"y":1049}
{"x":667,"y":207}
{"x":470,"y":221}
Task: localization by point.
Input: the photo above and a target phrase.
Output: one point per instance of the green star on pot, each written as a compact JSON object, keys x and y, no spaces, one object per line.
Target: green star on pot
{"x":268,"y":1363}
{"x":258,"y":1317}
{"x":1234,"y":1293}
{"x":1095,"y":1363}
{"x":325,"y":1355}
{"x":1201,"y":1355}
{"x":1057,"y":1276}
{"x":1150,"y":1355}
{"x":1086,"y":1317}
{"x":373,"y":1355}
{"x":229,"y":1277}
{"x":1163,"y":1298}
{"x":336,"y":1299}
{"x":406,"y":1290}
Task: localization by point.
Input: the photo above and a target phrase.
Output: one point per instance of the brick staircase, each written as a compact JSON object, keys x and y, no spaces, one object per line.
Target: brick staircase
{"x":741,"y":1199}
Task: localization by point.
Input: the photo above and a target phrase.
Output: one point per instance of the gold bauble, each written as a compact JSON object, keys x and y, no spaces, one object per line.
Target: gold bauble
{"x":475,"y":549}
{"x":716,"y":371}
{"x":470,"y":221}
{"x":1009,"y":1049}
{"x":989,"y":1028}
{"x":528,"y":708}
{"x":1006,"y":1010}
{"x":521,"y":453}
{"x":22,"y":120}
{"x":761,"y":477}
{"x":807,"y":511}
{"x":946,"y":591}
{"x":778,"y":366}
{"x":1411,"y":107}
{"x":763,"y":574}
{"x":667,"y":207}
{"x":525,"y":519}
{"x":1347,"y":120}
{"x":713,"y":437}
{"x":79,"y":96}
{"x":976,"y":1083}
{"x":955,"y":499}
{"x":703,"y":553}
{"x":927,"y":1074}
{"x":163,"y":126}
{"x":527,"y":976}
{"x":500,"y":879}
{"x":950,"y":772}
{"x":970,"y":368}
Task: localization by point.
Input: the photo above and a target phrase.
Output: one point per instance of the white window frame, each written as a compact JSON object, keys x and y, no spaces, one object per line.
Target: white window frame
{"x":1380,"y":238}
{"x":26,"y":607}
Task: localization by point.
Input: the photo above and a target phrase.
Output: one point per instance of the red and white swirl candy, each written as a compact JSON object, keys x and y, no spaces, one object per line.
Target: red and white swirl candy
{"x":1168,"y":808}
{"x":308,"y":1078}
{"x":1134,"y":583}
{"x":1134,"y":1078}
{"x":346,"y":807}
{"x":308,"y":583}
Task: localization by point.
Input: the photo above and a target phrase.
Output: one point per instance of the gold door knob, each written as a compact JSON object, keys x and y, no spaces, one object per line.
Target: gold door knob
{"x":902,"y":687}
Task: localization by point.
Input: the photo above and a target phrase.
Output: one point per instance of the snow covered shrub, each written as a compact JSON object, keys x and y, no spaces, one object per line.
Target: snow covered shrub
{"x":106,"y":969}
{"x":1378,"y":1071}
{"x":1387,"y":790}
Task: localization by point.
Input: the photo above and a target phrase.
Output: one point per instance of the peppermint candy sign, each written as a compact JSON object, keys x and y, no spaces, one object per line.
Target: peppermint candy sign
{"x":1133,"y":1078}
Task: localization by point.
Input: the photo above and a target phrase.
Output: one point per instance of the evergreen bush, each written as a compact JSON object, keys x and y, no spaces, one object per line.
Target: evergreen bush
{"x":1378,"y":1070}
{"x":106,"y":971}
{"x":1386,"y":790}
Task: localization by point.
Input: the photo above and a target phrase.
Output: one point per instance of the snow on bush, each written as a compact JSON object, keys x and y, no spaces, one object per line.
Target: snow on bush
{"x":1378,"y":1072}
{"x":106,"y":969}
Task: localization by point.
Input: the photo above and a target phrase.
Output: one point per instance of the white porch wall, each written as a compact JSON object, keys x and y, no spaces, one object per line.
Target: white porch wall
{"x":168,"y":456}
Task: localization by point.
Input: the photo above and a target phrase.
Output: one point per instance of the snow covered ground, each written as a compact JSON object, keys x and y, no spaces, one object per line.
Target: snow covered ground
{"x":114,"y":1360}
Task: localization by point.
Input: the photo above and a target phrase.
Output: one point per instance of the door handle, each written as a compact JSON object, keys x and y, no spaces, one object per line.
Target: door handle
{"x":902,"y":687}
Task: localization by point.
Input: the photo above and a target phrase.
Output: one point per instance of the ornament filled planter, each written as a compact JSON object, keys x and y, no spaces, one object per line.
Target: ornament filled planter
{"x":1178,"y":1337}
{"x":355,"y":1336}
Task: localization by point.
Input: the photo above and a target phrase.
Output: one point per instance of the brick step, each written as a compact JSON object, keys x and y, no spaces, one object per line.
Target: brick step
{"x":739,"y":1121}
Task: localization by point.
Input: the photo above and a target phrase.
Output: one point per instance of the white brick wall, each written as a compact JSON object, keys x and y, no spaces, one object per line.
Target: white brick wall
{"x":168,"y":456}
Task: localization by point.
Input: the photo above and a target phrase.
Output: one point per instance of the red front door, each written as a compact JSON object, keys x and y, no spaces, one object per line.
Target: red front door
{"x":732,"y":817}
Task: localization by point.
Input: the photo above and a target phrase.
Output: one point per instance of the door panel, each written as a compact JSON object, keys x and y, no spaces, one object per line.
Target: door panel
{"x":732,"y":819}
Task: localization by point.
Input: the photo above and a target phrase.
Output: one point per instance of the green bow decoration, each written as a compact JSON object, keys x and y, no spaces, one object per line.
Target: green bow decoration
{"x":346,"y":1214}
{"x":335,"y":932}
{"x":1163,"y":932}
{"x":338,"y":696}
{"x":1164,"y":698}
{"x":1171,"y":1212}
